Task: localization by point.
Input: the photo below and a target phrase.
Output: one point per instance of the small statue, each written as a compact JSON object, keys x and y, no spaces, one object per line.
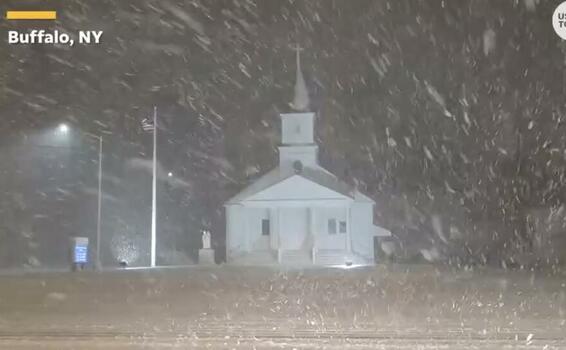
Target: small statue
{"x":205,"y":239}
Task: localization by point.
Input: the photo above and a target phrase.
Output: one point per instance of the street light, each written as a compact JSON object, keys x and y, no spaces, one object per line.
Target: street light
{"x":99,"y":213}
{"x":64,"y":129}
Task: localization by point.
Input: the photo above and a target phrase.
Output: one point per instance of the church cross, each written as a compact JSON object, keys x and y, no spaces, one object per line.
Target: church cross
{"x":297,"y":48}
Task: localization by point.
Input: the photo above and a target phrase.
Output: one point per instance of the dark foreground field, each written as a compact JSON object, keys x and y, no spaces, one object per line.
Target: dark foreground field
{"x":395,"y":307}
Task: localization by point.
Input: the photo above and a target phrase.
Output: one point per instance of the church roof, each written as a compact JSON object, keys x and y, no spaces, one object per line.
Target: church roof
{"x":271,"y":178}
{"x":317,"y":175}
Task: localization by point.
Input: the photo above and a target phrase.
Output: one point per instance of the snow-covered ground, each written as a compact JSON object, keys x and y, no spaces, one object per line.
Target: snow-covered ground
{"x":394,"y":307}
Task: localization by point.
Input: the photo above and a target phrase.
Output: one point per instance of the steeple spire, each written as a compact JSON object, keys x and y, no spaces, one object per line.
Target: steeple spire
{"x":301,"y":100}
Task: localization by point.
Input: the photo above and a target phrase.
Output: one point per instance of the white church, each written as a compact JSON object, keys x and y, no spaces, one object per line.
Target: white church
{"x":299,"y":213}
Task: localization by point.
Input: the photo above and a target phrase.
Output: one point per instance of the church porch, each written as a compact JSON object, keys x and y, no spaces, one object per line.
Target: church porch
{"x":297,"y":235}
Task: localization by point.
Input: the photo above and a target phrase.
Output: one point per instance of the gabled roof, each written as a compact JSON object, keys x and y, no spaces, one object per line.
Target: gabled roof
{"x":354,"y":192}
{"x":269,"y":179}
{"x":326,"y":179}
{"x":316,"y":174}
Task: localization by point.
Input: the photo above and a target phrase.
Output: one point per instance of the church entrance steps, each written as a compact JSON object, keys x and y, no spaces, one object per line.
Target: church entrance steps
{"x":295,"y":257}
{"x":338,"y":257}
{"x":330,"y":257}
{"x":258,"y":257}
{"x":300,"y":258}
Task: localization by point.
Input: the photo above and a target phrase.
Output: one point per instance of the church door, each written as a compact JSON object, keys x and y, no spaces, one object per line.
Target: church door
{"x":294,"y":228}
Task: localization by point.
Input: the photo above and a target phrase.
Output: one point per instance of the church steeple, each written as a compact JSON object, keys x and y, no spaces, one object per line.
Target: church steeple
{"x":297,"y":128}
{"x":301,"y":100}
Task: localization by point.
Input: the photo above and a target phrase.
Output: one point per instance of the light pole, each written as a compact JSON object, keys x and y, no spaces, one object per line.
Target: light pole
{"x":64,"y":129}
{"x":99,"y":212}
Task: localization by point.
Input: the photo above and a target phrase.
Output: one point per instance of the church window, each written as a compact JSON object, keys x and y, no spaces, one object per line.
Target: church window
{"x":265,"y":227}
{"x":342,"y":226}
{"x":331,"y":226}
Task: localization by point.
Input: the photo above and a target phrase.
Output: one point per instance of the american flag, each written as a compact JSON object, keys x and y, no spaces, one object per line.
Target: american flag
{"x":147,"y":124}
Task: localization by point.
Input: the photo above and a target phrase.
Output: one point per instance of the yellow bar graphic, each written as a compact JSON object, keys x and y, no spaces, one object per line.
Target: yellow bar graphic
{"x":31,"y":15}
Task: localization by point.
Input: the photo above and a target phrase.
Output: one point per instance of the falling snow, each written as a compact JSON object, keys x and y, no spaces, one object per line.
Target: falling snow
{"x":450,"y":116}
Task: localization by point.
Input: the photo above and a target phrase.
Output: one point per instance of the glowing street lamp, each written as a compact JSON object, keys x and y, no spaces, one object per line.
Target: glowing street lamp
{"x":63,"y":128}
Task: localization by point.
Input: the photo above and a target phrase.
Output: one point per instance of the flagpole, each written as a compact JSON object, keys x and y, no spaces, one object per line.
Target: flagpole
{"x":154,"y":189}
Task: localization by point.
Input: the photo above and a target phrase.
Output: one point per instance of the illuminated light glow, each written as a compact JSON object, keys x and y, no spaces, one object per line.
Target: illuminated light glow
{"x":31,"y":15}
{"x":63,"y":128}
{"x":347,"y":267}
{"x":170,"y":174}
{"x":124,"y":248}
